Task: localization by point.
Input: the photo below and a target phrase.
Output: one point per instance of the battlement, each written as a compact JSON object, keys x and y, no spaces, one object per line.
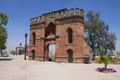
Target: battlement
{"x":58,"y":14}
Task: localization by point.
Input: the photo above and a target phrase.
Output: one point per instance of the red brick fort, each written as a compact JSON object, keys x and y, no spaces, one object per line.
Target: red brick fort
{"x":65,"y":29}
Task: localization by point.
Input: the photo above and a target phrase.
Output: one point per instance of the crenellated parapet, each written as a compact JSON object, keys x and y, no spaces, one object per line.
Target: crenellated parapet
{"x":62,"y":13}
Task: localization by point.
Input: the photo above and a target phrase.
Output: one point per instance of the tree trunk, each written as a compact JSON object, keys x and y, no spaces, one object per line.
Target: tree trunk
{"x":105,"y":51}
{"x":105,"y":66}
{"x":1,"y":51}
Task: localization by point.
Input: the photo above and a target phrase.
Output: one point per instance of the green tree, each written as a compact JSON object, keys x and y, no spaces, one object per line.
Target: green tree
{"x":97,"y":35}
{"x":109,"y":43}
{"x":3,"y":37}
{"x":3,"y":19}
{"x":3,"y":32}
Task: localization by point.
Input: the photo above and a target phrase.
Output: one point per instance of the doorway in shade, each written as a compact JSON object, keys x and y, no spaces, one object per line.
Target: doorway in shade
{"x":70,"y":56}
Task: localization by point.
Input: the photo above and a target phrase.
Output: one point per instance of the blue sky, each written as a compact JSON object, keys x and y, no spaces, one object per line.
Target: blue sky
{"x":20,"y":12}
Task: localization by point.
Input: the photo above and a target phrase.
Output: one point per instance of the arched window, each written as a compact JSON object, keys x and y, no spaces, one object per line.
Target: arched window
{"x":70,"y":40}
{"x":33,"y":38}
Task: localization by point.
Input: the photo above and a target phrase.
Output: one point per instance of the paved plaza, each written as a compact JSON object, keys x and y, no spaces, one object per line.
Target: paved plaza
{"x":16,"y":68}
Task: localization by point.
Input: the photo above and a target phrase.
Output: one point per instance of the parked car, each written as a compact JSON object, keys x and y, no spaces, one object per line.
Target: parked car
{"x":5,"y":55}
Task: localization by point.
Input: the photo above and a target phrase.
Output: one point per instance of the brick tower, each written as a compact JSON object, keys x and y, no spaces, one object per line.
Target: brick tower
{"x":65,"y":29}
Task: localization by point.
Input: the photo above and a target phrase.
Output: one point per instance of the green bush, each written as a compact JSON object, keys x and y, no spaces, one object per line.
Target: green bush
{"x":105,"y":59}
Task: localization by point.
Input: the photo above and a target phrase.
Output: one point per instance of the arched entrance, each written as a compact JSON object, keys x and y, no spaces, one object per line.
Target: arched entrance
{"x":70,"y":56}
{"x":50,"y":39}
{"x":33,"y":54}
{"x":51,"y":52}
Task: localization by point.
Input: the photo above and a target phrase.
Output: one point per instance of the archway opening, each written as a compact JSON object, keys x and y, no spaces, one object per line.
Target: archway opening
{"x":70,"y":56}
{"x":33,"y":54}
{"x":51,"y":52}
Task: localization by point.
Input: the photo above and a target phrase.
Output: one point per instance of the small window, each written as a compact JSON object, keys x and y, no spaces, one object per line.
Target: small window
{"x":70,"y":35}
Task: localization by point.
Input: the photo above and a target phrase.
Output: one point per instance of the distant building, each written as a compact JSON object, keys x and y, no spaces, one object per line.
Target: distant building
{"x":19,"y":50}
{"x":65,"y":29}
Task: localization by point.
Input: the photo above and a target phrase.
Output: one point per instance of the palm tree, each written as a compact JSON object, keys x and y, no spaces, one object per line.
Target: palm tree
{"x":105,"y":60}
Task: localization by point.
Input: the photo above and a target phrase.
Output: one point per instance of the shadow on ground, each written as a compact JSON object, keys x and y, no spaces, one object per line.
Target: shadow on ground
{"x":6,"y":59}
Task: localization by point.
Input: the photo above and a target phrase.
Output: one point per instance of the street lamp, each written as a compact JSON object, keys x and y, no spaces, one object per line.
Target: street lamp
{"x":25,"y":46}
{"x":20,"y":49}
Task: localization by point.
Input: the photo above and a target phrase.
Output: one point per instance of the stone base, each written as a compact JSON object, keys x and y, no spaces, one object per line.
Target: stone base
{"x":38,"y":58}
{"x":78,"y":60}
{"x":60,"y":59}
{"x":65,"y":59}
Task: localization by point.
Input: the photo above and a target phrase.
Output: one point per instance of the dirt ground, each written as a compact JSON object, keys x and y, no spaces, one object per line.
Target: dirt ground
{"x":16,"y":68}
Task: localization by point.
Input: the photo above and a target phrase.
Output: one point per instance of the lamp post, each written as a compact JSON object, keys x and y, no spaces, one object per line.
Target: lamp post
{"x":20,"y":49}
{"x":25,"y":46}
